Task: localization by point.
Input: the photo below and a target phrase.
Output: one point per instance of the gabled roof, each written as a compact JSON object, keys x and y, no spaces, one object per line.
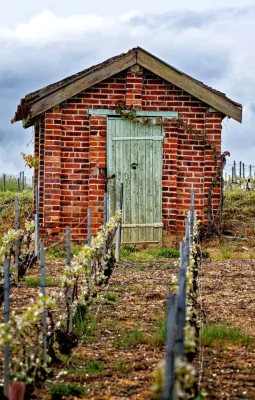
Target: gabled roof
{"x":36,"y":103}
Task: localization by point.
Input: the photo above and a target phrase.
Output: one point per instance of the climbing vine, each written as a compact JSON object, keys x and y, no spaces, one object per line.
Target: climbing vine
{"x":189,"y":129}
{"x":30,"y":160}
{"x":193,"y":133}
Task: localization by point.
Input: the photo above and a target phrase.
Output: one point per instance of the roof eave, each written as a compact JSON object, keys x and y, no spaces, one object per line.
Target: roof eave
{"x":32,"y":106}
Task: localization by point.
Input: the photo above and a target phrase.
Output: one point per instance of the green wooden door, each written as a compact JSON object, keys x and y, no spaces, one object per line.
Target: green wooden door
{"x":134,"y":155}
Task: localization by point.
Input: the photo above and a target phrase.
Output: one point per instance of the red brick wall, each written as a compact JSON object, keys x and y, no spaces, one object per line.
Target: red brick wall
{"x":73,"y":151}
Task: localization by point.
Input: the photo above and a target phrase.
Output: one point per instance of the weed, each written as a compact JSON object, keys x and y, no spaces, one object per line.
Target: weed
{"x":111,"y":296}
{"x":122,"y":367}
{"x":160,"y":337}
{"x":95,"y":367}
{"x":59,"y":390}
{"x":80,"y":320}
{"x":252,"y":255}
{"x":227,"y":250}
{"x":131,"y":339}
{"x":141,"y":267}
{"x":165,"y":253}
{"x":58,"y":251}
{"x":35,"y":281}
{"x":224,"y":335}
{"x":169,"y":265}
{"x":133,"y":254}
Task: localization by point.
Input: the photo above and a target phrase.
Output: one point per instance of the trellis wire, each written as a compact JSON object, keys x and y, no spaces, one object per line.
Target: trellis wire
{"x":6,"y":320}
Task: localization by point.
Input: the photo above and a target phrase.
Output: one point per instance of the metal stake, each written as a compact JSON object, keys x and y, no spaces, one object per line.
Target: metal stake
{"x":69,"y":291}
{"x":169,"y":381}
{"x":16,"y":278}
{"x":43,"y":291}
{"x":6,"y":320}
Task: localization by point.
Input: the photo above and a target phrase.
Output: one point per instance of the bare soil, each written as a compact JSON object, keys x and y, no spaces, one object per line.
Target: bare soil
{"x":109,"y":367}
{"x":228,"y":298}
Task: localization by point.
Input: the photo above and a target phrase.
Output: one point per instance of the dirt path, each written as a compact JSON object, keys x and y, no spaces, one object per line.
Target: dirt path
{"x":228,"y":292}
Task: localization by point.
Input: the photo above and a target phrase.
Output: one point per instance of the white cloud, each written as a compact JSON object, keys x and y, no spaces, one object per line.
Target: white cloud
{"x":215,"y":46}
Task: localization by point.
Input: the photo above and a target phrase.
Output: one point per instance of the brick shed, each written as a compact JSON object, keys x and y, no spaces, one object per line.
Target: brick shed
{"x":153,"y":127}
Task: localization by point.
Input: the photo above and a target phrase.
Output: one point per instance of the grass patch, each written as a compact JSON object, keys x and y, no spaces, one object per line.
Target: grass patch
{"x":7,"y":209}
{"x":122,"y":367}
{"x":134,"y":254}
{"x":58,"y":251}
{"x":95,"y":367}
{"x":239,"y":204}
{"x":131,"y":339}
{"x":111,"y":297}
{"x":59,"y":390}
{"x":165,"y":253}
{"x":223,"y":251}
{"x":222,"y":335}
{"x":227,"y":250}
{"x":160,"y":337}
{"x":36,"y":281}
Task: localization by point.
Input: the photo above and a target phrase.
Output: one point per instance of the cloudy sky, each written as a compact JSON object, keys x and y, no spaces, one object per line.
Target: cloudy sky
{"x":46,"y":40}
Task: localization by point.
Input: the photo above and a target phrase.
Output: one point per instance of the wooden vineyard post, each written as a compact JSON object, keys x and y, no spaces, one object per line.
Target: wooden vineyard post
{"x":6,"y":320}
{"x":69,"y":290}
{"x":16,"y":278}
{"x":23,"y":180}
{"x":169,"y":379}
{"x":43,"y":292}
{"x":4,"y":182}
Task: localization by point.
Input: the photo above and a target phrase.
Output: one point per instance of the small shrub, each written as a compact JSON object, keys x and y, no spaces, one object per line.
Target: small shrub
{"x":59,"y":390}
